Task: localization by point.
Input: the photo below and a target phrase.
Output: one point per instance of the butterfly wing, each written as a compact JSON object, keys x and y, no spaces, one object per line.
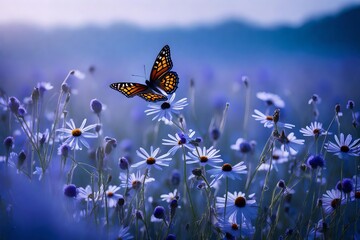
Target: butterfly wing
{"x":129,"y":89}
{"x":169,"y":82}
{"x":152,"y":97}
{"x":160,"y":77}
{"x":162,"y":64}
{"x":137,"y":89}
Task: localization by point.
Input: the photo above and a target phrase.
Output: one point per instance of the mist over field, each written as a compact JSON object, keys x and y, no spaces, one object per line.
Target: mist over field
{"x":322,"y":56}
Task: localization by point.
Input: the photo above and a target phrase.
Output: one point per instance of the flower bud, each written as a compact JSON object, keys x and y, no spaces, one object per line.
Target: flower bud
{"x":35,"y":94}
{"x":14,"y":105}
{"x":96,"y":106}
{"x":159,"y":212}
{"x":21,"y":158}
{"x":70,"y":191}
{"x":8,"y":143}
{"x":123,"y":163}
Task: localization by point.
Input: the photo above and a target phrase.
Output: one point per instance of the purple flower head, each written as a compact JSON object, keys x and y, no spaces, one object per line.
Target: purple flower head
{"x":121,"y":201}
{"x":182,"y":137}
{"x":281,"y":184}
{"x":350,"y":105}
{"x":14,"y":105}
{"x":98,"y":128}
{"x":315,"y":161}
{"x":70,"y":191}
{"x":110,"y":144}
{"x":63,"y":150}
{"x":159,"y":212}
{"x":123,"y":163}
{"x":96,"y":106}
{"x":243,"y":146}
{"x":174,"y":204}
{"x":215,"y":134}
{"x":9,"y":143}
{"x":139,"y":214}
{"x":346,"y":186}
{"x":171,"y":237}
{"x":21,"y":158}
{"x":22,"y":112}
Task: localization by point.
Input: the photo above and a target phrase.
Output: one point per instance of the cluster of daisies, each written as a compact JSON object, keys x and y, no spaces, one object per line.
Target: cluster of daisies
{"x":235,"y":213}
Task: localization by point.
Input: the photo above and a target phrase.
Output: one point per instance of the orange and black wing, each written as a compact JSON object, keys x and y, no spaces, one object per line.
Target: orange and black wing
{"x":152,"y":97}
{"x":137,"y":89}
{"x":169,"y":82}
{"x":162,"y":64}
{"x":129,"y":89}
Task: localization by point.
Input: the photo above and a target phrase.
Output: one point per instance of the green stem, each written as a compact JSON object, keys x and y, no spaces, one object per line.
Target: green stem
{"x":186,"y":185}
{"x":226,"y":195}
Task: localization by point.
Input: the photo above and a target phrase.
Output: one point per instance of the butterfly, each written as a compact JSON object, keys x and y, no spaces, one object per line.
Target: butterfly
{"x":161,"y":82}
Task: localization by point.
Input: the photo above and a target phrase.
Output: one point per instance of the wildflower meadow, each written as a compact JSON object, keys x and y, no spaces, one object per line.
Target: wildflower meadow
{"x":162,"y":157}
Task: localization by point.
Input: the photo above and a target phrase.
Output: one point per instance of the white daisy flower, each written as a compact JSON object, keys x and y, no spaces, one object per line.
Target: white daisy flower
{"x":163,"y":110}
{"x":227,"y":170}
{"x":315,"y":99}
{"x":124,"y":233}
{"x":343,"y":147}
{"x":38,"y":171}
{"x":170,"y":196}
{"x":151,"y":160}
{"x":332,"y":199}
{"x":289,"y":141}
{"x":87,"y":194}
{"x":112,"y":196}
{"x":74,"y":134}
{"x":238,"y":205}
{"x":43,"y":87}
{"x":314,"y":130}
{"x":268,"y":120}
{"x":279,"y":156}
{"x":134,"y":180}
{"x":317,"y":232}
{"x":243,"y":146}
{"x":204,"y":156}
{"x":78,"y":74}
{"x":271,"y":99}
{"x":178,"y":141}
{"x":236,"y":228}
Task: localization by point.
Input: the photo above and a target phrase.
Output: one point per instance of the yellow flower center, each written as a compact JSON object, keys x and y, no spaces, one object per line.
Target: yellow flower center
{"x":335,"y":203}
{"x":276,"y":157}
{"x":227,"y":167}
{"x":204,"y":159}
{"x":76,"y":132}
{"x":136,"y":184}
{"x":357,"y":194}
{"x":150,"y":161}
{"x":240,"y":202}
{"x":344,"y":149}
{"x":316,"y":131}
{"x":234,"y":226}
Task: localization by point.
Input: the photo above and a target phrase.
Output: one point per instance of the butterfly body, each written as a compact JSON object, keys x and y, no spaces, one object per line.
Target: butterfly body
{"x":162,"y":81}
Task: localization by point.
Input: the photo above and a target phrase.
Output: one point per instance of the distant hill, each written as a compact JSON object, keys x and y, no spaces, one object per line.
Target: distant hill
{"x":225,"y":50}
{"x":331,"y":35}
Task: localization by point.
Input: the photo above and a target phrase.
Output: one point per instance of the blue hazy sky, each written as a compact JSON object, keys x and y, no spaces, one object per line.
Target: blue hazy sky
{"x":165,"y":13}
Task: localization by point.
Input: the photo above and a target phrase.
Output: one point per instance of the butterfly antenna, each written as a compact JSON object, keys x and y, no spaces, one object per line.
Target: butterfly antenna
{"x":135,"y":75}
{"x":145,"y":71}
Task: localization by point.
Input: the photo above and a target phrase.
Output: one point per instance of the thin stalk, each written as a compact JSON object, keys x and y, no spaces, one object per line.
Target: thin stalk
{"x":186,"y":185}
{"x":226,"y":194}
